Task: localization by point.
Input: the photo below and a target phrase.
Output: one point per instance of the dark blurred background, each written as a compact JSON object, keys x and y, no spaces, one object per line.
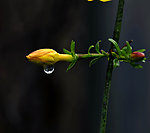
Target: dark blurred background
{"x":70,"y":102}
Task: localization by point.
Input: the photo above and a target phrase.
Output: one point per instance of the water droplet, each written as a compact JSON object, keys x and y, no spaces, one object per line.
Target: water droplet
{"x":48,"y":69}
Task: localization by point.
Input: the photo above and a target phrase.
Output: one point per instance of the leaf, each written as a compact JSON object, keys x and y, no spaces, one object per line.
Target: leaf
{"x":73,"y":48}
{"x":141,"y":50}
{"x":97,"y":47}
{"x":94,"y":61}
{"x":129,"y":48}
{"x":75,"y":57}
{"x":71,"y":65}
{"x":116,"y":63}
{"x":66,"y":51}
{"x":116,"y":45}
{"x":124,"y":48}
{"x":90,"y":48}
{"x":124,"y":53}
{"x":136,"y":65}
{"x":114,"y":54}
{"x":104,"y":53}
{"x":144,"y":60}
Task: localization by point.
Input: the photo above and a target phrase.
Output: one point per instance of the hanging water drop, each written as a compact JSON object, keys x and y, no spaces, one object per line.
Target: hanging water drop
{"x":48,"y":69}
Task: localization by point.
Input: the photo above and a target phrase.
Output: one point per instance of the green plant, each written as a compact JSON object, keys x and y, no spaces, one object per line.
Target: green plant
{"x":116,"y":55}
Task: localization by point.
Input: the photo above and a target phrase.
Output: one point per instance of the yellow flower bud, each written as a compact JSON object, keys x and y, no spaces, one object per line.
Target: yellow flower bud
{"x":48,"y":57}
{"x":105,"y":0}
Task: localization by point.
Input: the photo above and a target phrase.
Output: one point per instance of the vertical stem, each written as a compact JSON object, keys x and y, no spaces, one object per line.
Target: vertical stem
{"x":106,"y":96}
{"x":118,"y":23}
{"x":116,"y":36}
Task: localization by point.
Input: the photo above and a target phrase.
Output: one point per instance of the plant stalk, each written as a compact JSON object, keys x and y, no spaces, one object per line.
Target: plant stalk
{"x":116,"y":35}
{"x":93,"y":55}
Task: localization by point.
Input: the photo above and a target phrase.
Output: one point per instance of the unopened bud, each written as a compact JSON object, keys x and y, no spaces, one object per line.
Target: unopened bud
{"x":47,"y":57}
{"x":137,"y":56}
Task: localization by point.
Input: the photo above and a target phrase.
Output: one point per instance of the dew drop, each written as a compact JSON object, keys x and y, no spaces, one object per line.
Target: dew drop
{"x":48,"y":69}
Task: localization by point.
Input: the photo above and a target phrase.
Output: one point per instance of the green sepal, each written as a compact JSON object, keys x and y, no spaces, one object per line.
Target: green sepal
{"x":94,"y":61}
{"x":66,"y":51}
{"x":90,"y":48}
{"x":97,"y":47}
{"x":116,"y":45}
{"x":71,"y":65}
{"x":141,"y":50}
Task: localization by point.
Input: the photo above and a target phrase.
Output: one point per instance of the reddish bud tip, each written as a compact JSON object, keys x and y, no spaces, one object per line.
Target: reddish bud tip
{"x":137,"y":56}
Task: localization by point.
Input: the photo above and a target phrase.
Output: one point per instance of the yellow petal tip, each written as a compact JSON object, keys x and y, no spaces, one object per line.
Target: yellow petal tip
{"x":28,"y":57}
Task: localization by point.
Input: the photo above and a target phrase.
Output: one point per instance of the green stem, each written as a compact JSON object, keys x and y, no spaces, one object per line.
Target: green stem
{"x":106,"y":96}
{"x":118,"y":23}
{"x":116,"y":36}
{"x":82,"y":56}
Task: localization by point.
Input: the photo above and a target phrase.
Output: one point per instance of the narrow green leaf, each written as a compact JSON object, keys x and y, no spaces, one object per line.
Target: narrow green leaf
{"x":129,"y":48}
{"x":141,"y":50}
{"x":71,"y":65}
{"x":136,"y":65}
{"x":114,"y":54}
{"x":94,"y":61}
{"x":124,"y":48}
{"x":75,"y":57}
{"x":73,"y":48}
{"x":90,"y":48}
{"x":144,"y":60}
{"x":124,"y":53}
{"x":104,"y":53}
{"x":116,"y":63}
{"x":97,"y":47}
{"x":66,"y":51}
{"x":116,"y":45}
